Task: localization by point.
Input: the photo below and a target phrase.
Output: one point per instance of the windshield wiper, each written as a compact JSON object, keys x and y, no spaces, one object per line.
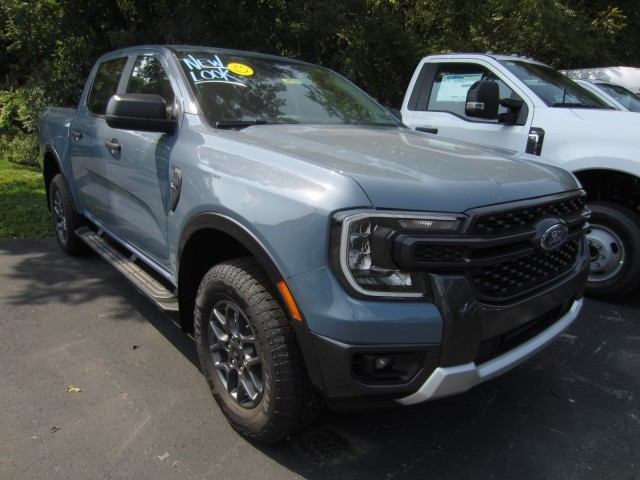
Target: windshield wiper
{"x":579,"y":105}
{"x":239,"y":123}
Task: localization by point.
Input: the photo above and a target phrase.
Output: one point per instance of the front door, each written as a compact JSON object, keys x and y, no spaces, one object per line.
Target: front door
{"x":440,"y":109}
{"x":137,"y":165}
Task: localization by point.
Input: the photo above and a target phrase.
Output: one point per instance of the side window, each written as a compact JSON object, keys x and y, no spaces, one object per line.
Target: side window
{"x":149,"y":76}
{"x":105,"y":84}
{"x":452,"y":82}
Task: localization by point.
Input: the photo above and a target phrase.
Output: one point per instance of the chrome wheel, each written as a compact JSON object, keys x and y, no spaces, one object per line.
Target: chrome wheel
{"x":613,"y":238}
{"x":606,"y":252}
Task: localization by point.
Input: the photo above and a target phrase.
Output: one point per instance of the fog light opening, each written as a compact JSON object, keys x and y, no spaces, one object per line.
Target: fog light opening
{"x":380,"y":364}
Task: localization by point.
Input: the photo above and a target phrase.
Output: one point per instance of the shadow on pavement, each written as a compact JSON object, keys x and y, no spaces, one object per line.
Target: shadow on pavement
{"x":54,"y":277}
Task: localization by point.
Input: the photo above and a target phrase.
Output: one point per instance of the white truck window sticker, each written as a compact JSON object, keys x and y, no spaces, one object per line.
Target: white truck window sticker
{"x":453,"y":88}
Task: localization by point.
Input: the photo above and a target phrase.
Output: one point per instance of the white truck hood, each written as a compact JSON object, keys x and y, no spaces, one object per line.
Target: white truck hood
{"x":608,"y":118}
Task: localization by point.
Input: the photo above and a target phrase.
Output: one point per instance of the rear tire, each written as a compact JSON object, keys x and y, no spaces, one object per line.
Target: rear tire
{"x":614,"y":247}
{"x":64,"y":217}
{"x":249,"y":355}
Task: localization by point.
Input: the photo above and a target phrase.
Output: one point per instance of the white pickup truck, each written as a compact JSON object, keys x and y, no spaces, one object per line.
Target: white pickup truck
{"x":525,"y":106}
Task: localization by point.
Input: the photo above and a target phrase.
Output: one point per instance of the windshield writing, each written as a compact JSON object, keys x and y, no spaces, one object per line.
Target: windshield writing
{"x":233,"y":88}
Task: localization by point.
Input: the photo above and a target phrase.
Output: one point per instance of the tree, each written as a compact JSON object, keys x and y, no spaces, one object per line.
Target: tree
{"x":50,"y":45}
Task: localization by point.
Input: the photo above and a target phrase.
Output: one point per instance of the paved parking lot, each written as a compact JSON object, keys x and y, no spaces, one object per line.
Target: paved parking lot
{"x":144,"y":410}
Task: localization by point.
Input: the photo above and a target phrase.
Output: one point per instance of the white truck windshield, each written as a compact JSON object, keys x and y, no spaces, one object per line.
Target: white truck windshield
{"x":553,"y":88}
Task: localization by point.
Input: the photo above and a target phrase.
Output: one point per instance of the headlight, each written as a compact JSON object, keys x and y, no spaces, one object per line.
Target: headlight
{"x":362,"y":250}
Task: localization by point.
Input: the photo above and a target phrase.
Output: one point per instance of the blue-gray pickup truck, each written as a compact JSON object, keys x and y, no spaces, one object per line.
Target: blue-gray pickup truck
{"x":319,"y":251}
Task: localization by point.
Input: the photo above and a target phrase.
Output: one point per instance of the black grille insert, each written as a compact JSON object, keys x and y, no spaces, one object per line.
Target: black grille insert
{"x":514,"y":277}
{"x":440,"y":253}
{"x":518,"y":218}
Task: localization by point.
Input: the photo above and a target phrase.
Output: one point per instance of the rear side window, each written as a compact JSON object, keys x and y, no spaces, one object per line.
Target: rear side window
{"x":105,"y":84}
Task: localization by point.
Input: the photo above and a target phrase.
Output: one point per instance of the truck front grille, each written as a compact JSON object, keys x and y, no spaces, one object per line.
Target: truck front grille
{"x":500,"y":252}
{"x":440,"y":253}
{"x":521,"y":217}
{"x":508,"y":279}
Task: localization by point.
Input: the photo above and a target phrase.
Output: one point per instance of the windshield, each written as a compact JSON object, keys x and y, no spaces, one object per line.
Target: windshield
{"x":235,"y":90}
{"x":621,"y":94}
{"x":553,"y":88}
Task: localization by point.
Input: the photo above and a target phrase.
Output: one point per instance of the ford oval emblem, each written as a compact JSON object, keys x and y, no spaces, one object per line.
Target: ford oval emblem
{"x":554,"y":237}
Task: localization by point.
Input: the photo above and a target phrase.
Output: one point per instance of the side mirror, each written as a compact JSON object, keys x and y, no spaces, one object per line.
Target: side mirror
{"x":139,"y":111}
{"x":483,"y":100}
{"x":513,"y":106}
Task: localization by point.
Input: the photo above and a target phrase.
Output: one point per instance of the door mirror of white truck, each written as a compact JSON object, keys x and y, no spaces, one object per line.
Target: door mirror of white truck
{"x":139,"y":111}
{"x":483,"y":100}
{"x":513,"y":106}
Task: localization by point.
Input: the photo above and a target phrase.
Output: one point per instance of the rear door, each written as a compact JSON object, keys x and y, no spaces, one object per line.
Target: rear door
{"x":88,"y":132}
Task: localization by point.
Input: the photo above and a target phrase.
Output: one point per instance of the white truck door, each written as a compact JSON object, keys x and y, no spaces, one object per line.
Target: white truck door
{"x":436,"y":104}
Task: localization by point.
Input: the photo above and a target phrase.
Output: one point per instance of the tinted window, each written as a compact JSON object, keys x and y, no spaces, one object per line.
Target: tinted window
{"x":105,"y":84}
{"x":150,"y":77}
{"x":233,"y":87}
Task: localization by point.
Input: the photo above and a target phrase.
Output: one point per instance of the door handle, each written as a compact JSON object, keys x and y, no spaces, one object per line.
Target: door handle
{"x":427,"y":130}
{"x":113,"y":147}
{"x":76,"y":134}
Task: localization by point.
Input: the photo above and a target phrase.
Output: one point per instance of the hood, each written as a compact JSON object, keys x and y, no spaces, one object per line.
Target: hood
{"x":608,"y":118}
{"x":401,"y":169}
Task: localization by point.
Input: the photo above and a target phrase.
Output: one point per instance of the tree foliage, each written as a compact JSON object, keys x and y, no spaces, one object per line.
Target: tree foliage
{"x":50,"y":45}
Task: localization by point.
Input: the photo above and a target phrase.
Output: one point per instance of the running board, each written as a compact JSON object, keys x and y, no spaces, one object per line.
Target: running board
{"x":148,"y":285}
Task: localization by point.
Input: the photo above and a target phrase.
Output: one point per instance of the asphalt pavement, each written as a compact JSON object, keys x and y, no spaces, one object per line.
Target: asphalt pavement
{"x":95,"y":383}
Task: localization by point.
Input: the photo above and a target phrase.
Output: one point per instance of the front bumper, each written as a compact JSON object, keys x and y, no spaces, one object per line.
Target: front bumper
{"x":475,"y":341}
{"x":445,"y":381}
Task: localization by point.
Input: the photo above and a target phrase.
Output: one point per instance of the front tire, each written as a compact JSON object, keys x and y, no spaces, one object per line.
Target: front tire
{"x":248,"y":353}
{"x":64,"y":216}
{"x":614,"y":247}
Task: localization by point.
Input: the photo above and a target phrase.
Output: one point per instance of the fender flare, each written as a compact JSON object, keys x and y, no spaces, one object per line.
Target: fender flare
{"x":49,"y":149}
{"x":233,"y":228}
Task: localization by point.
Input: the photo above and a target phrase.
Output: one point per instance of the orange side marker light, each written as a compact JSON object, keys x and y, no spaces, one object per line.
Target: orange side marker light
{"x":288,"y":298}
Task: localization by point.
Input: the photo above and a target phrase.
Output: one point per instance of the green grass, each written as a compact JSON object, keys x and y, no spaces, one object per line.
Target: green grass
{"x":23,"y":202}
